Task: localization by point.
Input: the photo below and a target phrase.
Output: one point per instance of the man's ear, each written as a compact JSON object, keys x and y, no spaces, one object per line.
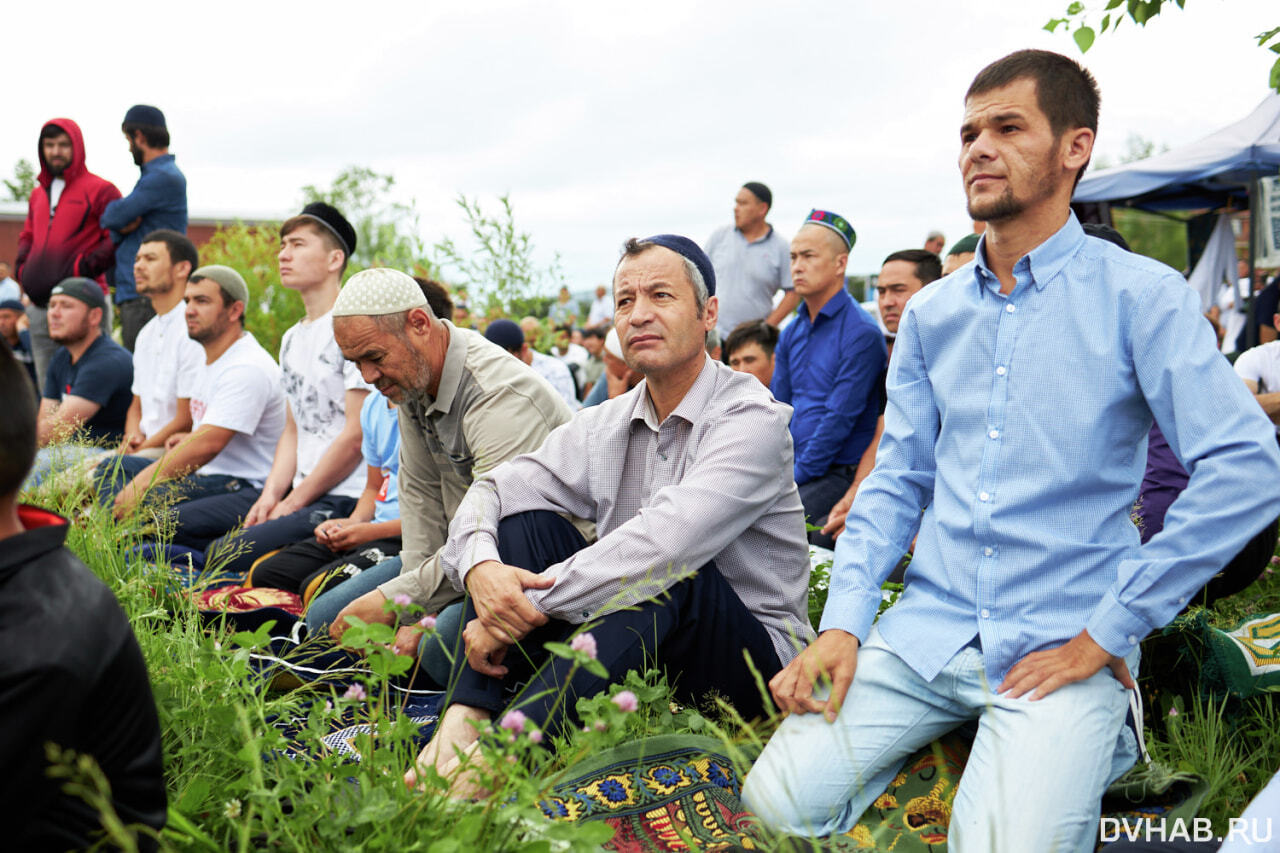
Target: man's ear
{"x":1077,"y":148}
{"x":711,"y":312}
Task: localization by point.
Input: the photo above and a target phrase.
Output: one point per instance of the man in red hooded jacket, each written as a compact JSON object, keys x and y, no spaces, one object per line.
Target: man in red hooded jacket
{"x":62,"y":236}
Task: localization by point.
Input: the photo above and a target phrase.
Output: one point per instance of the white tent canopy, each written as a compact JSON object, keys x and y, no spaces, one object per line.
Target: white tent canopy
{"x":1210,"y":173}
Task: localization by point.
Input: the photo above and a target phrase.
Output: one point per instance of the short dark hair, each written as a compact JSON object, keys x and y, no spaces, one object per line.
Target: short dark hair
{"x":157,"y":137}
{"x":437,"y":297}
{"x":327,"y":237}
{"x":180,"y":248}
{"x":752,"y":331}
{"x":595,"y":332}
{"x":17,"y":423}
{"x":49,"y":131}
{"x":928,"y":265}
{"x":1065,"y":90}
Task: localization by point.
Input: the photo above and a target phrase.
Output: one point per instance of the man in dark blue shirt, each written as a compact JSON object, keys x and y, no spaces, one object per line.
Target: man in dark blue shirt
{"x":158,"y":201}
{"x":827,"y":365}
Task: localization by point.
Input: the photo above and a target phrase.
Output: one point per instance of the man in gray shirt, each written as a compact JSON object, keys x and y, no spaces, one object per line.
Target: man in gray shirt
{"x":701,"y":561}
{"x":752,"y":262}
{"x":465,"y":407}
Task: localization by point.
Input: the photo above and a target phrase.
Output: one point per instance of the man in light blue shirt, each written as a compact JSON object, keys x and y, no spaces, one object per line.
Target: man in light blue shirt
{"x":1020,"y":394}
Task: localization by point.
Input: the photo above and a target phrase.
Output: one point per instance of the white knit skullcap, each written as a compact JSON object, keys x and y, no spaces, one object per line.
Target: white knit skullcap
{"x":372,"y":292}
{"x":613,"y":345}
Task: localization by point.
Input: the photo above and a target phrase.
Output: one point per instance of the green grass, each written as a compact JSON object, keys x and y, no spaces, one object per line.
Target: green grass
{"x":227,"y":792}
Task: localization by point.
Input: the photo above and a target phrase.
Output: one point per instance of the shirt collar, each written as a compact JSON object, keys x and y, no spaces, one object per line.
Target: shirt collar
{"x":689,"y":407}
{"x":1043,"y":262}
{"x":837,"y":303}
{"x":163,"y":158}
{"x":451,"y":373}
{"x":766,"y":236}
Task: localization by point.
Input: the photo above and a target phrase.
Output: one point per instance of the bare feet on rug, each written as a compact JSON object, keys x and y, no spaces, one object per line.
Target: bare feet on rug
{"x":458,"y":730}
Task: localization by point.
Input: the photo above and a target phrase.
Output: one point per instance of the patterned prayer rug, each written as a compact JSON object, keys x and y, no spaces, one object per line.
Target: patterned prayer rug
{"x":680,"y":792}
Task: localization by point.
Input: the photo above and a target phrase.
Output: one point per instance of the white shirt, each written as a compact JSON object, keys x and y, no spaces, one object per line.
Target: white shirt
{"x":166,"y":366}
{"x":1230,"y":316}
{"x":601,"y":311}
{"x":241,"y":392}
{"x":573,"y":354}
{"x":557,"y":373}
{"x":1261,"y":365}
{"x":56,"y":186}
{"x":316,"y":379}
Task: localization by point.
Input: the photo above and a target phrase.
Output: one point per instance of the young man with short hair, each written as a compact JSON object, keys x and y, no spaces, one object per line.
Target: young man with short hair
{"x":1020,"y":397}
{"x":71,"y":672}
{"x":237,"y":414}
{"x":750,"y":348}
{"x":158,"y":201}
{"x":165,"y":361}
{"x":316,"y":471}
{"x":63,"y":236}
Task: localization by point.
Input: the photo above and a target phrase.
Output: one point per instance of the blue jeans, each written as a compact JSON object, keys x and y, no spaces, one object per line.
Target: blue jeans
{"x":115,"y":473}
{"x":57,"y":458}
{"x":1034,"y":779}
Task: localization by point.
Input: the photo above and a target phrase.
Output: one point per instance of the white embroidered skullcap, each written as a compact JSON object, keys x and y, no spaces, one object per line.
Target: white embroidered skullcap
{"x":613,"y":345}
{"x":377,"y":291}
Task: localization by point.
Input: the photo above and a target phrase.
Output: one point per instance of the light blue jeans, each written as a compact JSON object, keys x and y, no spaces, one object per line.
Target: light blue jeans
{"x":1034,"y":779}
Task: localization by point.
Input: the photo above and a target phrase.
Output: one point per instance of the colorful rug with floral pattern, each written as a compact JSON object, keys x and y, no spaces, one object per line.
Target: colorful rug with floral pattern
{"x":680,"y":792}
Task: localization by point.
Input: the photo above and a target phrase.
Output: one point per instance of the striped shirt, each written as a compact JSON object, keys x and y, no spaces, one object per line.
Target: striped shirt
{"x":713,"y":481}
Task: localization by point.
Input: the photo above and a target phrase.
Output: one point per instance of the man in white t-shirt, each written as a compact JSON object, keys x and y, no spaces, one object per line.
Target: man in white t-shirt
{"x":1260,"y":369}
{"x":237,"y":412}
{"x":316,"y":471}
{"x":165,"y":360}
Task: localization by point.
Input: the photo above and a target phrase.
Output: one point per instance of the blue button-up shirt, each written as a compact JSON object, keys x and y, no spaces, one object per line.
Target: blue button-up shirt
{"x":828,"y":369}
{"x":160,"y":198}
{"x":1018,"y":425}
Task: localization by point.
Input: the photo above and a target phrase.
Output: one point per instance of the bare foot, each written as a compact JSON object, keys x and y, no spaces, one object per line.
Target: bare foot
{"x":458,"y":730}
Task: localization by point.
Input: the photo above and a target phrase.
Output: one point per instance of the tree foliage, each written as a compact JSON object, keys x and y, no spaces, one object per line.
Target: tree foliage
{"x":1076,"y":21}
{"x":499,"y":273}
{"x":387,"y":231}
{"x":24,"y":180}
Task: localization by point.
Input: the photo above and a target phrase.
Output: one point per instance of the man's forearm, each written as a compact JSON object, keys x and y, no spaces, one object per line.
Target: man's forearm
{"x":180,"y":423}
{"x":788,"y":304}
{"x":335,"y":466}
{"x":1270,"y":404}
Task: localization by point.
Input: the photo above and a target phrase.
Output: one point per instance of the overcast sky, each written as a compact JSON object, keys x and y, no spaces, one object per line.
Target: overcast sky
{"x":602,"y":120}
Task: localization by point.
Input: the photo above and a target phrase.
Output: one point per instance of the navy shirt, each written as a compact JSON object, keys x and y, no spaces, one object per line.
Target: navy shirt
{"x":160,"y":198}
{"x":829,"y":370}
{"x":103,"y":375}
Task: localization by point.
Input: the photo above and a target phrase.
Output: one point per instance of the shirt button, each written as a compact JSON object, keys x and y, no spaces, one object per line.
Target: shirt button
{"x":1133,"y":641}
{"x":1010,"y":308}
{"x":984,"y":496}
{"x":988,"y":551}
{"x":986,"y":614}
{"x":995,"y":433}
{"x":1000,"y":371}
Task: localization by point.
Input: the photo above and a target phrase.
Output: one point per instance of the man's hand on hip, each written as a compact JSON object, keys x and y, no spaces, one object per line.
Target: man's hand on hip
{"x":1077,"y":659}
{"x":497,"y":590}
{"x":831,"y":659}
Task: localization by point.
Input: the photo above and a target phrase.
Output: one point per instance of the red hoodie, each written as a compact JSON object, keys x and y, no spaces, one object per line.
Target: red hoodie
{"x":72,"y":242}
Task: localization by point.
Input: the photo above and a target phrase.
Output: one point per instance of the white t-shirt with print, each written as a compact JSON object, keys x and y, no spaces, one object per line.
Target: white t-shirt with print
{"x":316,"y":379}
{"x":241,"y":391}
{"x":166,"y":365}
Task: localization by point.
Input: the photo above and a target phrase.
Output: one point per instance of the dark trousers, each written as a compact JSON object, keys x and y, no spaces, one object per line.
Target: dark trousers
{"x":295,"y":567}
{"x":698,"y":631}
{"x":133,"y":314}
{"x":203,"y":524}
{"x":820,"y":494}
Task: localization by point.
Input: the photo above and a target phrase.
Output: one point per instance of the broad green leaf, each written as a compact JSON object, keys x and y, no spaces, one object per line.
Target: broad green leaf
{"x":1075,"y":8}
{"x":1054,"y":24}
{"x":1275,"y":76}
{"x":1084,"y":38}
{"x":1106,"y":22}
{"x":1111,"y":4}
